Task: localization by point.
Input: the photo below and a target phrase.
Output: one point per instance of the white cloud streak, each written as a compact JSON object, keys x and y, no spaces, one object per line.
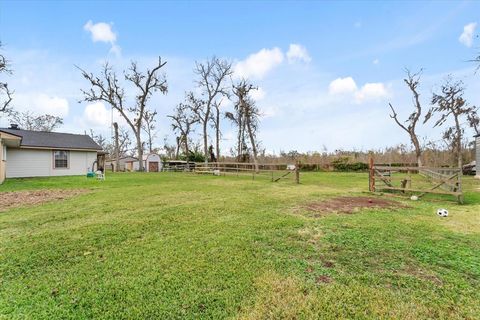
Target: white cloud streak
{"x":102,"y":32}
{"x":466,"y":38}
{"x":257,"y":65}
{"x":348,"y":87}
{"x":298,"y":53}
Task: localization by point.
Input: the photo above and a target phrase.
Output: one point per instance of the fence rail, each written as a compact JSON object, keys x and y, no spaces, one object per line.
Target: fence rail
{"x":444,"y":181}
{"x":275,"y":172}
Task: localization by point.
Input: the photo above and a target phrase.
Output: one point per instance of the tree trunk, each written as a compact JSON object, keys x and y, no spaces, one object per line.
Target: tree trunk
{"x":458,"y":138}
{"x":418,"y":150}
{"x":150,"y":144}
{"x":419,"y":160}
{"x":254,"y":146}
{"x":139,"y":151}
{"x":241,"y":132}
{"x":117,"y":147}
{"x":187,"y":152}
{"x":217,"y":134}
{"x":205,"y":141}
{"x":177,"y":149}
{"x":239,"y":143}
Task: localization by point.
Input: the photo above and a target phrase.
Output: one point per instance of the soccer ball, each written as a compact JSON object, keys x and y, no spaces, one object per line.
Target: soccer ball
{"x":442,"y":212}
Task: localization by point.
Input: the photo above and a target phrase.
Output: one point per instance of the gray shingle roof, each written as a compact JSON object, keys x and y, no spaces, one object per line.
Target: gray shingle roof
{"x":53,"y":139}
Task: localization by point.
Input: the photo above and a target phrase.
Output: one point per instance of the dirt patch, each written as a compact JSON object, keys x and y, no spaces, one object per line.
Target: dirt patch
{"x":350,"y":205}
{"x":24,"y":198}
{"x":323,"y":279}
{"x":421,"y":274}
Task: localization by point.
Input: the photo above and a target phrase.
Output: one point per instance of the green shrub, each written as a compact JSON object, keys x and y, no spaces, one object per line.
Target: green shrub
{"x":342,"y":164}
{"x":194,"y":157}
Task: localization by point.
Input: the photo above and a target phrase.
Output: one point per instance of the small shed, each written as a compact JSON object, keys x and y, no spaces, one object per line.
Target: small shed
{"x":477,"y":155}
{"x":151,"y":163}
{"x":124,"y":163}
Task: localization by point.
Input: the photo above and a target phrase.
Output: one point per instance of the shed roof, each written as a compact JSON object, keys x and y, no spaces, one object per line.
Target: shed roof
{"x":55,"y":140}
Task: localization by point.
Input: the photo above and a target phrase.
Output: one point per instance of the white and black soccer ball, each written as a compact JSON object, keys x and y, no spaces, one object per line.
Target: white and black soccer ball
{"x":442,"y":212}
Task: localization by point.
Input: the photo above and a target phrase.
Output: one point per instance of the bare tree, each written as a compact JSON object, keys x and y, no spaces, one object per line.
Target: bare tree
{"x":168,"y":148}
{"x":238,"y":119}
{"x":124,"y":142}
{"x":450,"y":103}
{"x":183,"y":119}
{"x":99,"y":139}
{"x":5,"y":92}
{"x":412,"y":80}
{"x":474,"y":120}
{"x":212,"y":81}
{"x":29,"y":121}
{"x":106,"y":88}
{"x":248,"y":113}
{"x":149,"y":126}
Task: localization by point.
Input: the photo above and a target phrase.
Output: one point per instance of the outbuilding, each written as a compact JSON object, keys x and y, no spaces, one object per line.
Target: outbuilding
{"x":26,"y":153}
{"x":124,"y":163}
{"x":151,"y":163}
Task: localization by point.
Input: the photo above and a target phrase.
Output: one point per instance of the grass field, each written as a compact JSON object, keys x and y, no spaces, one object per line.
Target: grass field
{"x":179,"y":246}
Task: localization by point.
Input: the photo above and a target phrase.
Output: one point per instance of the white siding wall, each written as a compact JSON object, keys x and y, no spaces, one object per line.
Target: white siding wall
{"x":39,"y":163}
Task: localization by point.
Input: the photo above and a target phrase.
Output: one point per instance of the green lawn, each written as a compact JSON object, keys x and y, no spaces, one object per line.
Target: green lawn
{"x":180,"y":246}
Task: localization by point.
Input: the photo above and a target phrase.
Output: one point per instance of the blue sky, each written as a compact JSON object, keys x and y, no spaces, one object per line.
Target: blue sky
{"x":326,"y":70}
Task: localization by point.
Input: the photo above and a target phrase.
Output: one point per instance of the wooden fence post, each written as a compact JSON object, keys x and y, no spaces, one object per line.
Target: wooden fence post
{"x":371,"y":174}
{"x":297,"y":172}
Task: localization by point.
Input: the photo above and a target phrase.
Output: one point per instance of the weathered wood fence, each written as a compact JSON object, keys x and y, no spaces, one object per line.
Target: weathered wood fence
{"x":274,"y":172}
{"x":443,"y":181}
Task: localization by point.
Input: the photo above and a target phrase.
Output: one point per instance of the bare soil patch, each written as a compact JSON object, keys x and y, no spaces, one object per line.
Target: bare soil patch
{"x":323,"y":279}
{"x":34,"y":197}
{"x":351,"y":205}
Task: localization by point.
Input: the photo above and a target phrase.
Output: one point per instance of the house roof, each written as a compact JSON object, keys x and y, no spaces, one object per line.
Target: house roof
{"x":54,"y":140}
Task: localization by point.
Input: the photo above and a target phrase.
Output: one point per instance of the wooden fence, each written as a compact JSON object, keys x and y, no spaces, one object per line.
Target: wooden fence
{"x":274,"y":172}
{"x":443,"y":181}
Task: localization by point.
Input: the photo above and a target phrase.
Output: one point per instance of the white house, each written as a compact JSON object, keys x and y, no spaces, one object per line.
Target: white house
{"x":25,"y":153}
{"x":151,"y":163}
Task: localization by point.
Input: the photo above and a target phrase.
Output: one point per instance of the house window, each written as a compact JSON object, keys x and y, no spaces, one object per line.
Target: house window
{"x":60,"y":159}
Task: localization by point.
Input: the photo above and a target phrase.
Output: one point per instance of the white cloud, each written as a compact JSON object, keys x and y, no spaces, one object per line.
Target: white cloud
{"x":342,"y":86}
{"x":466,"y":38}
{"x":52,"y":105}
{"x":41,"y":103}
{"x":297,"y":52}
{"x":102,"y":32}
{"x":348,"y":87}
{"x":116,"y":50}
{"x":258,"y":64}
{"x":97,"y":115}
{"x":371,"y":91}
